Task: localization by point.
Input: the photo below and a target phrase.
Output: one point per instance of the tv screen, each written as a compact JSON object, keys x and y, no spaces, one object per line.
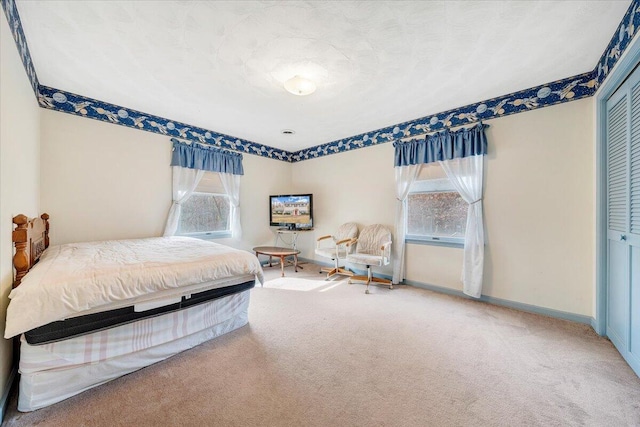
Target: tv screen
{"x":291,"y":210}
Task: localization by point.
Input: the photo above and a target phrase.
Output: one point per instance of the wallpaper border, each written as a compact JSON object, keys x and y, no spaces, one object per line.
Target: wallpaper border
{"x":618,"y":43}
{"x":564,"y":90}
{"x":15,"y":25}
{"x":66,"y":102}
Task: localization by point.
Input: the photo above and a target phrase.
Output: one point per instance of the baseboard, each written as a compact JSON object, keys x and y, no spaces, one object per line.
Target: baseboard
{"x":315,"y":261}
{"x":4,"y":402}
{"x":529,"y":308}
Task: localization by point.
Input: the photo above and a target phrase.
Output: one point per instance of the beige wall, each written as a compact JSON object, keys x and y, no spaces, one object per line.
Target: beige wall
{"x":354,"y":186}
{"x":101,"y":181}
{"x":539,"y":205}
{"x":19,"y":168}
{"x":539,"y":216}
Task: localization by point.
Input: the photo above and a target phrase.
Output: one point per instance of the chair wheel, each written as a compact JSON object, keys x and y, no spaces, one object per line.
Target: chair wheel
{"x":366,"y":291}
{"x":349,"y":281}
{"x":390,"y":286}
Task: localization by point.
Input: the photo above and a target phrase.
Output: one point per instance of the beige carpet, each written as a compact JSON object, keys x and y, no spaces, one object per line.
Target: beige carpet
{"x":329,"y":355}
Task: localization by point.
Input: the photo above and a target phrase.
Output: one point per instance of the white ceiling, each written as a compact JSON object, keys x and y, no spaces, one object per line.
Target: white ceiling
{"x":221,"y":64}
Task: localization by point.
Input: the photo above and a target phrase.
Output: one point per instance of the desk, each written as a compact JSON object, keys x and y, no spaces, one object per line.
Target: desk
{"x":281,"y":253}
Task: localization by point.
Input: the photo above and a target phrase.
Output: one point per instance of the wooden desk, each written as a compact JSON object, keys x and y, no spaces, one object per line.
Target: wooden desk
{"x":279,"y":252}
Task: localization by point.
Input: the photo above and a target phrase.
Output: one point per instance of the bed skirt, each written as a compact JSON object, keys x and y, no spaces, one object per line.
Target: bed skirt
{"x":54,"y":372}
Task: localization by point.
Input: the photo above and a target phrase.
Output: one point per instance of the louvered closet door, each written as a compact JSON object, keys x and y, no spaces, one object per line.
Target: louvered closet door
{"x":623,"y":220}
{"x":633,"y":236}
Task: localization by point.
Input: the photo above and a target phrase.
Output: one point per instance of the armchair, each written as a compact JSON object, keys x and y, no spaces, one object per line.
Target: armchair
{"x":373,"y":249}
{"x":337,"y":248}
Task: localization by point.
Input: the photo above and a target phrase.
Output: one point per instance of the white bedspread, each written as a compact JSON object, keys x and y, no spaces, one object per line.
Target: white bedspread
{"x":76,"y":277}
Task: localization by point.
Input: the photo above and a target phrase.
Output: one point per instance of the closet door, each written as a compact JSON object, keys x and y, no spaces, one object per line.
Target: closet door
{"x":618,"y":283}
{"x":633,"y":236}
{"x":623,"y":220}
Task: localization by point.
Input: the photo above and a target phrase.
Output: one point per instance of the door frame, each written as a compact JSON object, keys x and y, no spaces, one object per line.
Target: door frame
{"x":618,"y":75}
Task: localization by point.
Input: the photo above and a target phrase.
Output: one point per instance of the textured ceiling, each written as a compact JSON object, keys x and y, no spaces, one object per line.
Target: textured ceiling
{"x":221,"y":65}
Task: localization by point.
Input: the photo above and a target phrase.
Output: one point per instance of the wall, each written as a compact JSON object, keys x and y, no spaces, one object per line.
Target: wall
{"x":539,"y":208}
{"x":539,"y":203}
{"x":101,"y":181}
{"x":19,"y":168}
{"x":356,"y":185}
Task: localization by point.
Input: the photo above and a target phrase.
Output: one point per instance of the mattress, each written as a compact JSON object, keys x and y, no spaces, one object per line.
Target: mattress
{"x":56,"y":371}
{"x":88,"y":323}
{"x":77,"y":279}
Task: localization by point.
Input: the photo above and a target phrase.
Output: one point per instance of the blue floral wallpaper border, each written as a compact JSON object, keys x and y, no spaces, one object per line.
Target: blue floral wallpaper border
{"x":565,"y":90}
{"x":11,"y":12}
{"x":619,"y":42}
{"x":59,"y":100}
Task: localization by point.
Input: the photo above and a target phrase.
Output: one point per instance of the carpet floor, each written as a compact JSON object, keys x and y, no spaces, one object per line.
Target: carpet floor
{"x":319,"y":353}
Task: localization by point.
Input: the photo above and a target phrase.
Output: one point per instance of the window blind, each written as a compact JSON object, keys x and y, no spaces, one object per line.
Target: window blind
{"x":210,"y":183}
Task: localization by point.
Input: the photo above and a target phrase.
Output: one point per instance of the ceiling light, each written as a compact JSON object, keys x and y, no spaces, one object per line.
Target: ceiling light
{"x":300,"y":86}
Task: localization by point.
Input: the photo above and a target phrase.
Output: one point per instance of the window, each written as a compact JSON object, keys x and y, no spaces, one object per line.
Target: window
{"x":435,"y":211}
{"x":207,"y":212}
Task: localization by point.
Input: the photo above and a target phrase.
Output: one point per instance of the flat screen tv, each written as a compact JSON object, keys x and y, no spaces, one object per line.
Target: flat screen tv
{"x":291,"y":210}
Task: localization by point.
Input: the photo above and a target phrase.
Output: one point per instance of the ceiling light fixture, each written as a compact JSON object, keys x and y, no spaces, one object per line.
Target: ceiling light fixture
{"x":300,"y":86}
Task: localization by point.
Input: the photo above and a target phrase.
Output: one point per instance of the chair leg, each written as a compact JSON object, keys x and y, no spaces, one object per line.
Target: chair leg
{"x":383,"y":281}
{"x":344,"y":271}
{"x":370,"y":278}
{"x":330,"y":272}
{"x":335,"y":270}
{"x":357,"y":278}
{"x":366,"y":291}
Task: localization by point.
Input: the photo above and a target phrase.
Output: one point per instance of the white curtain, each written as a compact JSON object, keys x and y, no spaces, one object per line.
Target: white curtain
{"x":231,"y":185}
{"x":185,"y":180}
{"x":405,"y":176}
{"x":466,"y":175}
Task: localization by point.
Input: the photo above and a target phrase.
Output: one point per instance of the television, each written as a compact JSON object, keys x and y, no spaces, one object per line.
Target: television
{"x":291,"y":211}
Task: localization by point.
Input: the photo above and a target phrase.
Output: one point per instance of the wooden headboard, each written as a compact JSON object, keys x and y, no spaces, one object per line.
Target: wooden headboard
{"x":31,"y":238}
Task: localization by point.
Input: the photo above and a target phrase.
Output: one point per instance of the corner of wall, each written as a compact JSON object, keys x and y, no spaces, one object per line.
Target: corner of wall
{"x":19,"y":169}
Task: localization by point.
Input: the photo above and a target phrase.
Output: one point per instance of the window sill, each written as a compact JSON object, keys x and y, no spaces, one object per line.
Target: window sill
{"x":449,"y":243}
{"x":209,"y":235}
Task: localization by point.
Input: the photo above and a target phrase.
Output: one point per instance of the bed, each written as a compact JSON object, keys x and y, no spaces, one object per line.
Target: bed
{"x":87,"y":313}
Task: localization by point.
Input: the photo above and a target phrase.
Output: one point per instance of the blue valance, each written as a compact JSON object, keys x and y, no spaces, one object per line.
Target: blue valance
{"x":445,"y":145}
{"x":195,"y":156}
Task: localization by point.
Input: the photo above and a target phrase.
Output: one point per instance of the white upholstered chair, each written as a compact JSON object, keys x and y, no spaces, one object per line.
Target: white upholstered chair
{"x":337,"y":247}
{"x":373,"y":248}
